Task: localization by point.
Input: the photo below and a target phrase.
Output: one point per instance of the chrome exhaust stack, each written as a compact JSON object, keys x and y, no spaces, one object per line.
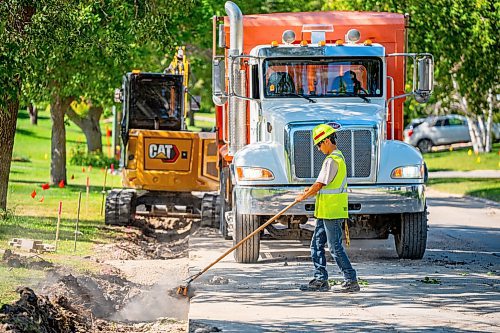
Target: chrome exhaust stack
{"x":237,"y":80}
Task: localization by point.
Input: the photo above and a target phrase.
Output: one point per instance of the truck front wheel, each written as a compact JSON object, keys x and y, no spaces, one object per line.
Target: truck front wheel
{"x":411,"y":238}
{"x":244,"y":225}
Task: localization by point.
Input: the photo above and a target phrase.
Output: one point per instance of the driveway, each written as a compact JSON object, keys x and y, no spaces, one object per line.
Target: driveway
{"x":454,"y":288}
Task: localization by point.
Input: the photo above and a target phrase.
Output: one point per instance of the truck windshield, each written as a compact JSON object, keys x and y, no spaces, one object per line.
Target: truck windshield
{"x":323,"y":77}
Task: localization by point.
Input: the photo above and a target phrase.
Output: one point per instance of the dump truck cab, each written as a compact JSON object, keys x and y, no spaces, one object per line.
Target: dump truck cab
{"x":274,"y":96}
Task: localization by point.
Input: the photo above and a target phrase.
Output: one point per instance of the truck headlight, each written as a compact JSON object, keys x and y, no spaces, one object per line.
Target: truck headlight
{"x":410,"y":171}
{"x":252,"y":173}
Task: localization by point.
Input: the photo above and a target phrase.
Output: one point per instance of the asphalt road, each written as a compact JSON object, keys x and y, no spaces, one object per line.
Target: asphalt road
{"x":462,"y":264}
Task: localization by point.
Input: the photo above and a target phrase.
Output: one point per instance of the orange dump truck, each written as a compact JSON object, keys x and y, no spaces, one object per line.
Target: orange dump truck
{"x":276,"y":77}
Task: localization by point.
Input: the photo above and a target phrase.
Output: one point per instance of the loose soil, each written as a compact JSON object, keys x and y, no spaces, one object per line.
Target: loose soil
{"x":134,"y":290}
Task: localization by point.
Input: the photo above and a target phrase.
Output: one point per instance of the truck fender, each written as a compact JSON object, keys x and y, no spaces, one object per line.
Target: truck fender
{"x":266,"y":155}
{"x":394,"y":154}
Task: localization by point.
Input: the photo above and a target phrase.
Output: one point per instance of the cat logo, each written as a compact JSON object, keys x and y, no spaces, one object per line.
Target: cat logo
{"x":165,"y":153}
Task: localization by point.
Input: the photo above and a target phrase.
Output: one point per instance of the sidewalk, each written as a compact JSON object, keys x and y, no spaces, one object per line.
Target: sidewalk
{"x":465,"y":174}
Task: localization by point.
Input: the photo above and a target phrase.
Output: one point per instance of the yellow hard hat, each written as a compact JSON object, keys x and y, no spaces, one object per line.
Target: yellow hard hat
{"x":321,"y":132}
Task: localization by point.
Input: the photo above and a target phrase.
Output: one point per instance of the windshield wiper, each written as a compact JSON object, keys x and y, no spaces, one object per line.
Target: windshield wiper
{"x":299,"y":95}
{"x":366,"y":99}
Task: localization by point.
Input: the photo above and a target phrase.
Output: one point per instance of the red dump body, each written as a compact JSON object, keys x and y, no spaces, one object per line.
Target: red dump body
{"x":387,"y":29}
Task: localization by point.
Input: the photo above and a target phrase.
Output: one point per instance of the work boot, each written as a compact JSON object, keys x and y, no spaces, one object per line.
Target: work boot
{"x":349,"y":287}
{"x":315,"y":285}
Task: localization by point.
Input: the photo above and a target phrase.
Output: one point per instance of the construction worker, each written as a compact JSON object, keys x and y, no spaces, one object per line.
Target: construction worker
{"x":330,"y":189}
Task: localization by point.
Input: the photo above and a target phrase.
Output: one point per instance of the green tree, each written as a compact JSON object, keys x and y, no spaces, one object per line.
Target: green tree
{"x":463,"y":37}
{"x":59,"y":50}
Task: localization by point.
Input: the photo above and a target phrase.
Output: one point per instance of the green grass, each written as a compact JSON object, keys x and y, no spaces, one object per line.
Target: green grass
{"x":481,"y":188}
{"x":35,"y":218}
{"x":463,"y":160}
{"x":10,"y":279}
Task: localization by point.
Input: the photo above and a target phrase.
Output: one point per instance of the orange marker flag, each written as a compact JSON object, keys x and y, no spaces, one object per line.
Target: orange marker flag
{"x":62,"y":184}
{"x":33,"y":194}
{"x":41,"y":200}
{"x":45,"y":186}
{"x":83,"y":169}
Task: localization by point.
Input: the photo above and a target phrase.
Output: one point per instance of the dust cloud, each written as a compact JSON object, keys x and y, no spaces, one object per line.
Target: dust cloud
{"x":159,"y":301}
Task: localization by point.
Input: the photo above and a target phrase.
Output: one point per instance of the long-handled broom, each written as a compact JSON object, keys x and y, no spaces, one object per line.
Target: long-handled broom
{"x":183,"y":289}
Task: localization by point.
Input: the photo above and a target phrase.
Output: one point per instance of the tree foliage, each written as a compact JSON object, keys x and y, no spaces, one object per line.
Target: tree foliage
{"x":463,"y":37}
{"x":58,"y":50}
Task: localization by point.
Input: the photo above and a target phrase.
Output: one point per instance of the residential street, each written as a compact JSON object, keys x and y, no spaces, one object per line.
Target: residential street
{"x":455,"y":288}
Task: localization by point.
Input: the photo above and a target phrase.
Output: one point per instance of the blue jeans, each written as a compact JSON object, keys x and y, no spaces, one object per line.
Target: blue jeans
{"x":330,"y":231}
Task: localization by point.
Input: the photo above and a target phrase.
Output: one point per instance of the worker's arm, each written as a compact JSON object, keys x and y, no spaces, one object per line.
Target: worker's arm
{"x":310,"y":191}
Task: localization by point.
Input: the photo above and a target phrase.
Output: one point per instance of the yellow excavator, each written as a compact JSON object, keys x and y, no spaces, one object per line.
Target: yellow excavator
{"x":166,"y":169}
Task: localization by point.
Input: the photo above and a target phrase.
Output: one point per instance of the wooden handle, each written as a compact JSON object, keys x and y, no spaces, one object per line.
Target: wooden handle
{"x":259,"y":229}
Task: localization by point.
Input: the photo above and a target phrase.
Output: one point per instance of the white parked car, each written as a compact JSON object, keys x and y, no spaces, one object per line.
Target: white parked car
{"x":440,"y":130}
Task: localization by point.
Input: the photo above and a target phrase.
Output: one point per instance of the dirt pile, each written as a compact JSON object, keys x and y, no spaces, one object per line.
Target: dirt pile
{"x":108,"y":301}
{"x":100,"y":295}
{"x":32,"y":313}
{"x":31,"y":262}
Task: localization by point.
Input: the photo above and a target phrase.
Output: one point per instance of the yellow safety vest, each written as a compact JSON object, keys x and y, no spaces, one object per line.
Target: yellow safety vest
{"x":331,"y":200}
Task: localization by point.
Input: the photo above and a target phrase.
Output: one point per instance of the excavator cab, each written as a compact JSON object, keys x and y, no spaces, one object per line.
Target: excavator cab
{"x":152,"y":101}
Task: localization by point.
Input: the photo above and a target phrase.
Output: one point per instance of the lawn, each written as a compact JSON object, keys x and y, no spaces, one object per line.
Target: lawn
{"x":466,"y":160}
{"x":481,"y":188}
{"x":463,"y":160}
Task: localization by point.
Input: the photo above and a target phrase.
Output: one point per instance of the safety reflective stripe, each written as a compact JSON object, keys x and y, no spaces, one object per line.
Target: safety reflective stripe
{"x":342,"y":189}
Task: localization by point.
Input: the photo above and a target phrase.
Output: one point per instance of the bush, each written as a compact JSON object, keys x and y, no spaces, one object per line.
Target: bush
{"x":80,"y":156}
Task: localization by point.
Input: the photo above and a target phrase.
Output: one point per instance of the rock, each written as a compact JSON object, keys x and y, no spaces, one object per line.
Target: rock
{"x":218,"y":280}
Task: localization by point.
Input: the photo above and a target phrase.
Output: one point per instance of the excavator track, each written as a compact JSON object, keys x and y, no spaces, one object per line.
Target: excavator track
{"x":210,"y":210}
{"x":120,"y":207}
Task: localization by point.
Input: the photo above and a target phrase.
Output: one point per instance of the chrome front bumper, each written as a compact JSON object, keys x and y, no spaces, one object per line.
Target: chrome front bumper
{"x":377,"y":199}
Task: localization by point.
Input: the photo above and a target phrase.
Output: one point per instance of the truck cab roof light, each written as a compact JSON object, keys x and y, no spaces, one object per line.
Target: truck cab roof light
{"x":321,"y":43}
{"x":368,"y":42}
{"x":352,"y":36}
{"x":274,"y":43}
{"x":339,"y":42}
{"x":136,"y":71}
{"x":303,"y":43}
{"x":288,"y":36}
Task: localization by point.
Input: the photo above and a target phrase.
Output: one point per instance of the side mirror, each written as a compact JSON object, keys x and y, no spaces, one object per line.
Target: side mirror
{"x":219,"y":95}
{"x":425,"y":72}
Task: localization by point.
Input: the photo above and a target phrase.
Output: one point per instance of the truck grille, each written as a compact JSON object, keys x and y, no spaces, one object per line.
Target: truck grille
{"x":355,"y":144}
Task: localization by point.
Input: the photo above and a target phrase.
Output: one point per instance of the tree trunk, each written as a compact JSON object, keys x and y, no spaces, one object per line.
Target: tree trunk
{"x":33,"y":112}
{"x":90,"y":127}
{"x":489,"y":122}
{"x":58,"y":142}
{"x":8,"y":120}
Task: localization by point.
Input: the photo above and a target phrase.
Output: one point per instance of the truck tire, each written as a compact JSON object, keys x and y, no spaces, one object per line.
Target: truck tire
{"x":411,"y":238}
{"x":210,"y":211}
{"x":120,"y":207}
{"x":424,"y":145}
{"x":244,"y":225}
